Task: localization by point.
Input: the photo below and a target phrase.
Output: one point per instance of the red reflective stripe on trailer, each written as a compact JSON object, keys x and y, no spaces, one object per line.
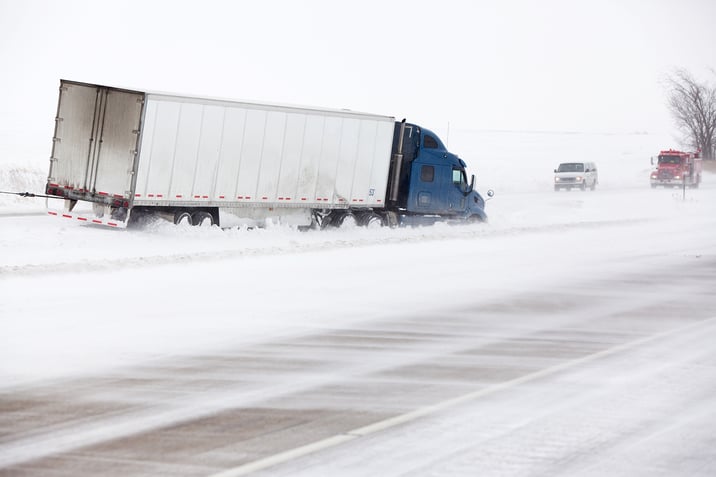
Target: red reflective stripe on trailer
{"x":204,"y":196}
{"x":117,"y":196}
{"x":247,"y":197}
{"x":102,"y":193}
{"x":95,"y":221}
{"x":160,"y":196}
{"x":179,"y":196}
{"x":52,"y":213}
{"x":264,"y":198}
{"x":303,"y":198}
{"x":150,"y":195}
{"x":137,"y":195}
{"x":222,"y":197}
{"x":239,"y":196}
{"x":197,"y":196}
{"x":112,"y":224}
{"x":66,"y":216}
{"x":84,"y":219}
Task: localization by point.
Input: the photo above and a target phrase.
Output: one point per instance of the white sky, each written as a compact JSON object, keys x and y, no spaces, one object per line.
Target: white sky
{"x":553,"y":65}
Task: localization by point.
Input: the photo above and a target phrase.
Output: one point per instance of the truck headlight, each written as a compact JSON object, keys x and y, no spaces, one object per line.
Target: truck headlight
{"x":578,"y":179}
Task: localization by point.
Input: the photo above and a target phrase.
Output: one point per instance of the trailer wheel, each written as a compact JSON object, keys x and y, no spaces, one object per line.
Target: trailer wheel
{"x":202,"y":219}
{"x":182,"y":217}
{"x":347,"y":220}
{"x":372,"y":221}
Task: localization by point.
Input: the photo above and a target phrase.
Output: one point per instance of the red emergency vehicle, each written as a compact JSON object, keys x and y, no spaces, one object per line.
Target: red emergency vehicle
{"x":676,"y":169}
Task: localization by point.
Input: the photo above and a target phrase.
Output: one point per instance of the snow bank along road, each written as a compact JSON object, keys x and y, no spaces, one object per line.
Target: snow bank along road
{"x":564,"y":338}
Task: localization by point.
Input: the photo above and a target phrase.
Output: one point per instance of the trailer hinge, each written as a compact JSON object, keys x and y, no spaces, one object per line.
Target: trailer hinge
{"x":59,"y":119}
{"x":135,"y":131}
{"x":56,"y":139}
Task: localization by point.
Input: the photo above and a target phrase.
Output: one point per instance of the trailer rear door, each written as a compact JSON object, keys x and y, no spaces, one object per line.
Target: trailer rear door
{"x":96,"y":140}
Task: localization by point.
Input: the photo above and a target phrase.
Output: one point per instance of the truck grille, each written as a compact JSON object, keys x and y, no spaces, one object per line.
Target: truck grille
{"x":665,"y":175}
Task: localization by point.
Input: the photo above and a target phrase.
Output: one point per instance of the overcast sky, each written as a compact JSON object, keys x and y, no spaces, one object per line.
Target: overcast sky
{"x":548,"y":65}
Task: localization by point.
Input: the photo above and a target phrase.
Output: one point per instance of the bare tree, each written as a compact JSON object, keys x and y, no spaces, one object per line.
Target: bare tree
{"x":693,"y":106}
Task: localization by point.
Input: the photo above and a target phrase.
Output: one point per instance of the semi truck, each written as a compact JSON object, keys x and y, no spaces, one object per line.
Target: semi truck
{"x":676,"y":169}
{"x":120,"y":154}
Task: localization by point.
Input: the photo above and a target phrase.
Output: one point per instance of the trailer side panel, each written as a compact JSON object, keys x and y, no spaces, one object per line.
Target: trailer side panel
{"x":201,"y":152}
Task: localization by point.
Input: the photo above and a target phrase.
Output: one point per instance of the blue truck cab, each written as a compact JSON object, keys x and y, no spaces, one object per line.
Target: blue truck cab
{"x":432,"y":182}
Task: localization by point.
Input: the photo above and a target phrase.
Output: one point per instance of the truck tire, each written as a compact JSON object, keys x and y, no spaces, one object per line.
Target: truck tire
{"x":339,"y":218}
{"x":371,"y":220}
{"x":202,"y":219}
{"x":346,"y":220}
{"x":183,"y":217}
{"x":391,"y":219}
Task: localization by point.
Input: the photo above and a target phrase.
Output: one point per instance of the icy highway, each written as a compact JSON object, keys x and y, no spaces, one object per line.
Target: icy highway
{"x":572,"y":335}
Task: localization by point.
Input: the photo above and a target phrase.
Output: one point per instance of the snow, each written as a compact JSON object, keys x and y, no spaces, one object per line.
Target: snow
{"x":77,"y":300}
{"x":107,"y":295}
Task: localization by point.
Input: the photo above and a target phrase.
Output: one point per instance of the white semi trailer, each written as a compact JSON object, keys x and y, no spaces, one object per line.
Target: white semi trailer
{"x":125,"y":154}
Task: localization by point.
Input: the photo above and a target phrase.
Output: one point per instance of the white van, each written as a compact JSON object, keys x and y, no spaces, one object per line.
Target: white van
{"x":576,"y":174}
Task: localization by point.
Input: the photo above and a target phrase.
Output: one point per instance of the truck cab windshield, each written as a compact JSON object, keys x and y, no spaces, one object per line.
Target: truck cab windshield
{"x":669,"y":159}
{"x":459,"y":178}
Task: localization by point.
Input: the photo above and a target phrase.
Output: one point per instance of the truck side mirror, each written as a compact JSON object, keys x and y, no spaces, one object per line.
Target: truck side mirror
{"x":472,"y":184}
{"x":652,"y":160}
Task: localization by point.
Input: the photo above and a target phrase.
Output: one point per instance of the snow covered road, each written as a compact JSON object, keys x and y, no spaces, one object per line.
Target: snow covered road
{"x":573,"y":334}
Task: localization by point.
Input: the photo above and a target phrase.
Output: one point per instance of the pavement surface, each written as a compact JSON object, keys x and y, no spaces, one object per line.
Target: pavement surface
{"x":371,"y":398}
